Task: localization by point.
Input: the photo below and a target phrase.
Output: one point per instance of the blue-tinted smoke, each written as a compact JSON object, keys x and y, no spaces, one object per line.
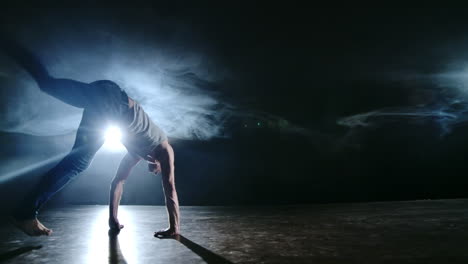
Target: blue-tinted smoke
{"x":170,"y":76}
{"x":448,"y":109}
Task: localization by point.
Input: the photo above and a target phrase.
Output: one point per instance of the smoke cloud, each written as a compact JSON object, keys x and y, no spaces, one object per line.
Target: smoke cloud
{"x":448,"y":108}
{"x":167,"y":72}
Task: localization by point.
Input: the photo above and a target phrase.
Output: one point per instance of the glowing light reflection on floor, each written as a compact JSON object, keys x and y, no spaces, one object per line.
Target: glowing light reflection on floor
{"x":99,"y":248}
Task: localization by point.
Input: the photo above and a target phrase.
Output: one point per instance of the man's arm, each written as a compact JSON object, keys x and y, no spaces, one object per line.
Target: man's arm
{"x":172,"y":202}
{"x":125,"y":167}
{"x":170,"y":193}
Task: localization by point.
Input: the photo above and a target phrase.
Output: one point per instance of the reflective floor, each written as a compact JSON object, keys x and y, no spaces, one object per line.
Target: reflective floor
{"x":394,"y":232}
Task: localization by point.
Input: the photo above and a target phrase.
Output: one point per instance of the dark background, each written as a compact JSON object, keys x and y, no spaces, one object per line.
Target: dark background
{"x":295,"y":71}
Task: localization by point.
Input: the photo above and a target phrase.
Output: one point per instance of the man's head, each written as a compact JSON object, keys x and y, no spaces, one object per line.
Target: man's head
{"x":162,"y":154}
{"x":154,"y":166}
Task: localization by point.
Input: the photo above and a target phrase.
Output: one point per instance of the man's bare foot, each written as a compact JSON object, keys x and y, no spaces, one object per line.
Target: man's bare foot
{"x":31,"y":227}
{"x":114,"y":224}
{"x":166,"y":233}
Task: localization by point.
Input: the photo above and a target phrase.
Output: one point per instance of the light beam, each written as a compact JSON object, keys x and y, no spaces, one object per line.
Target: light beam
{"x":112,"y":139}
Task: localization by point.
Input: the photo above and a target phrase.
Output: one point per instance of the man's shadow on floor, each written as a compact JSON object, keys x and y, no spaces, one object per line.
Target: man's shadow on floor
{"x":207,"y":255}
{"x":116,"y":256}
{"x":16,"y":252}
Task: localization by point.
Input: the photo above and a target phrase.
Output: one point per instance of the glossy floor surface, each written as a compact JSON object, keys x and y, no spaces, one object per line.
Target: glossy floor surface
{"x":393,"y":232}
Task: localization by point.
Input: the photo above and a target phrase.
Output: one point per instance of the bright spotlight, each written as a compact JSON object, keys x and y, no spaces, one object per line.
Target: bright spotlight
{"x":112,"y":137}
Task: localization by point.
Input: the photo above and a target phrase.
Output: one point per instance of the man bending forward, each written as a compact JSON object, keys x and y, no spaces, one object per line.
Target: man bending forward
{"x":104,"y":103}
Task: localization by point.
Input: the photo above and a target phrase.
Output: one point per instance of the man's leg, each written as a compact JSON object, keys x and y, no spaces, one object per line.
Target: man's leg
{"x":87,"y":143}
{"x":72,"y":92}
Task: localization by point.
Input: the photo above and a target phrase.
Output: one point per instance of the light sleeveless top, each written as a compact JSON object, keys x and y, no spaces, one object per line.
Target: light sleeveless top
{"x":141,"y":136}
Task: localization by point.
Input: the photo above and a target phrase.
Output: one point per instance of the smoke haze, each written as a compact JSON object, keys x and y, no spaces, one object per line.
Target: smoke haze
{"x":165,"y":71}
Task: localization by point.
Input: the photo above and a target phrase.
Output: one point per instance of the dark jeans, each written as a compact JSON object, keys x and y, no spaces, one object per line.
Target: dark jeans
{"x":89,"y":138}
{"x":101,"y":100}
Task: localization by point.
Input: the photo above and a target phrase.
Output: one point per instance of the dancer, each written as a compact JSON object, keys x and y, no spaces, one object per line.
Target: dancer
{"x":104,"y":103}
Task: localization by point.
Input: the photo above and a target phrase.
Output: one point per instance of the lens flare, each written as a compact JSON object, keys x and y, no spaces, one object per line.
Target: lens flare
{"x":113,"y":137}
